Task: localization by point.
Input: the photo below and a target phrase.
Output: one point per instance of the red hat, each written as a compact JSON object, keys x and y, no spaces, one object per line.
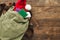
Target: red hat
{"x":20,"y":4}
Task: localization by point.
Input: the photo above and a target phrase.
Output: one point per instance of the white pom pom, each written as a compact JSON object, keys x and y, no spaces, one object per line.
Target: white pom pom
{"x":28,"y":7}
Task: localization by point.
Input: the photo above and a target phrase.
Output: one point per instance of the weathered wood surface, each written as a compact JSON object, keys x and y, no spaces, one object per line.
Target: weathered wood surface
{"x":46,"y":16}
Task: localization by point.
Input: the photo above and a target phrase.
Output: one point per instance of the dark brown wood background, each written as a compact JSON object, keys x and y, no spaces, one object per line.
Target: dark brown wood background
{"x":46,"y":18}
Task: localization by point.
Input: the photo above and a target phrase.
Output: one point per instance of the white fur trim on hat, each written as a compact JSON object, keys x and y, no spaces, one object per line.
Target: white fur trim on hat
{"x":28,"y":15}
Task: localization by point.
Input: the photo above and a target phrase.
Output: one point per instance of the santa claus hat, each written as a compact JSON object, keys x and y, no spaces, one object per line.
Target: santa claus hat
{"x":20,"y":4}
